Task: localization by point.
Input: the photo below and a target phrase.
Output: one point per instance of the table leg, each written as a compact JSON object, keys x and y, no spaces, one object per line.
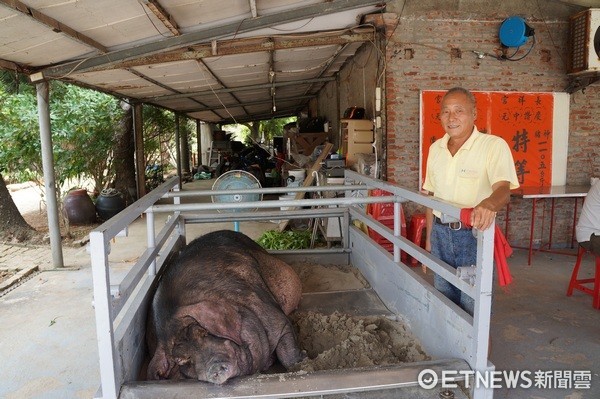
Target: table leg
{"x":551,"y":224}
{"x":532,"y":229}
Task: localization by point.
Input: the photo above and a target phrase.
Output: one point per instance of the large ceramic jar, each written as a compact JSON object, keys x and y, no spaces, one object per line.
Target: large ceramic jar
{"x":109,"y":203}
{"x":79,"y":207}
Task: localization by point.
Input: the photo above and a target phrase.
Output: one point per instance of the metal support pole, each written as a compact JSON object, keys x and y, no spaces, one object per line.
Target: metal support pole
{"x":151,"y":239}
{"x":483,"y":308}
{"x":178,"y":147}
{"x":198,"y":144}
{"x":140,"y":166}
{"x":43,"y":96}
{"x":397,"y":229}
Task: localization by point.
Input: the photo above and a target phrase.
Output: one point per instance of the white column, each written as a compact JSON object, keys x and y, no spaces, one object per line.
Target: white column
{"x":43,"y":96}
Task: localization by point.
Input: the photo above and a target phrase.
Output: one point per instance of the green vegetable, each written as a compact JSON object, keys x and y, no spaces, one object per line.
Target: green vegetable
{"x":275,"y":239}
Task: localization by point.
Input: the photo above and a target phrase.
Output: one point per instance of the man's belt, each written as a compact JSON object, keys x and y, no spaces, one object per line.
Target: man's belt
{"x":453,"y":225}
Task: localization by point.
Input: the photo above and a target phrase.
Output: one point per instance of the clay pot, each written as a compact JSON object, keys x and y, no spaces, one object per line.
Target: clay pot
{"x":79,"y":207}
{"x":109,"y":203}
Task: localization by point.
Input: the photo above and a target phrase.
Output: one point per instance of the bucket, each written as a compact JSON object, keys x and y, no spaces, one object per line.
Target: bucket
{"x":295,"y":177}
{"x":287,"y":197}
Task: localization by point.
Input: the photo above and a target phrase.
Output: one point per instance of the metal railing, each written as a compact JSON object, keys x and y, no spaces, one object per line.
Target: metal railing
{"x":119,"y":306}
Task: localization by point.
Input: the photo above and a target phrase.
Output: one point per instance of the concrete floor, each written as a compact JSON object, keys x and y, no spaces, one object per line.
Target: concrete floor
{"x":48,"y":340}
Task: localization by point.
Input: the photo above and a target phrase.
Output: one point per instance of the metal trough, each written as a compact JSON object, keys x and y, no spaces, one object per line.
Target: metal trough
{"x":457,"y":342}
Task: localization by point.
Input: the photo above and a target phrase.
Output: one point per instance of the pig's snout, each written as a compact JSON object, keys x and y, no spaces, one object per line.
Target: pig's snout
{"x":219,"y":372}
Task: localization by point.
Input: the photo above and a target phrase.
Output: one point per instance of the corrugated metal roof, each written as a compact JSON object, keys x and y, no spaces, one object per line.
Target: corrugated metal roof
{"x":212,"y":60}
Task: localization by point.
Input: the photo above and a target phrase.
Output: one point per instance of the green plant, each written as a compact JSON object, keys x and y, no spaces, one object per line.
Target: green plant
{"x":281,"y":240}
{"x":83,"y":123}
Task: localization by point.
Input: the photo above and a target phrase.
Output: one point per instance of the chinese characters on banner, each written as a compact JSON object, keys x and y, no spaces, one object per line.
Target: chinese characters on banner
{"x":523,"y":120}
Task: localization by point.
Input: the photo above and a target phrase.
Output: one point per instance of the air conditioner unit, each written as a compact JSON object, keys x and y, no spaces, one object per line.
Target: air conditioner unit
{"x":584,"y":41}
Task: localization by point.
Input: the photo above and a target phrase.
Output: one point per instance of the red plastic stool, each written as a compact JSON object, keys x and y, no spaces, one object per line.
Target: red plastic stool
{"x":384,"y":213}
{"x":415,"y":231}
{"x":579,"y":284}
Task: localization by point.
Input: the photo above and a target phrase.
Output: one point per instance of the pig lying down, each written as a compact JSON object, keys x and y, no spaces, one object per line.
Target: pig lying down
{"x":220,"y":310}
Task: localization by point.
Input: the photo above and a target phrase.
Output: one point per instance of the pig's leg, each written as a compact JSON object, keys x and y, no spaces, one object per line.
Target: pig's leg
{"x":282,"y":280}
{"x":287,"y":349}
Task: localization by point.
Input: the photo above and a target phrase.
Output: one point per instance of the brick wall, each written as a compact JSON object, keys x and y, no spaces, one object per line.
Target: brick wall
{"x":432,"y":48}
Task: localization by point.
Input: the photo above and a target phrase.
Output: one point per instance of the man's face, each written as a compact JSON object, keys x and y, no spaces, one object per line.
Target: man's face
{"x":457,"y":116}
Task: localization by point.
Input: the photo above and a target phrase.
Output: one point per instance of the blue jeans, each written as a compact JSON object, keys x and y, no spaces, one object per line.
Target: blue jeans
{"x":456,"y":248}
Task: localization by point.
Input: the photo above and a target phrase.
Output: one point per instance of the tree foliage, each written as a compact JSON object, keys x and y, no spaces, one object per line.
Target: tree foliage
{"x":266,"y":129}
{"x":83,"y":124}
{"x":159,"y":131}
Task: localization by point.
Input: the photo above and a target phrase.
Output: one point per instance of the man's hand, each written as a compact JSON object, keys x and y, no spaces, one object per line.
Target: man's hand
{"x":485,"y":212}
{"x":482,"y":218}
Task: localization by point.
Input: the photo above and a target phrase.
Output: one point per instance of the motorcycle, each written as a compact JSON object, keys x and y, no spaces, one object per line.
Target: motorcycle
{"x":253,"y":159}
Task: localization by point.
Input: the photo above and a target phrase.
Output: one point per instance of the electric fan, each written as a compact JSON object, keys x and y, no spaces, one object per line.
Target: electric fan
{"x":236,"y":180}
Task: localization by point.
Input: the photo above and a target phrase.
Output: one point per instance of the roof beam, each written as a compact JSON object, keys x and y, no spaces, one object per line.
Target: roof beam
{"x":9,"y":65}
{"x":327,"y":65}
{"x":207,"y":34}
{"x":261,"y":117}
{"x":166,"y":18}
{"x":202,"y":64}
{"x":251,"y":103}
{"x":52,"y":23}
{"x":239,"y":88}
{"x":244,"y":46}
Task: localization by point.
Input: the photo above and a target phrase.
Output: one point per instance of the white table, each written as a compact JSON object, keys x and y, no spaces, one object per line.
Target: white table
{"x":552,"y":193}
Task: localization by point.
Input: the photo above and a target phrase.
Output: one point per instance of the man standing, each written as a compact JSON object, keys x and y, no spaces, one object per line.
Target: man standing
{"x":473,"y":170}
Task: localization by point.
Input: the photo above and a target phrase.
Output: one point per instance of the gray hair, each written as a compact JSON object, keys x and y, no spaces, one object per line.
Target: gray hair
{"x":464,"y":91}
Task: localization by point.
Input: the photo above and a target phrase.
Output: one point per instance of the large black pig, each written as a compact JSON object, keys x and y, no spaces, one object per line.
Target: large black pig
{"x":220,"y":309}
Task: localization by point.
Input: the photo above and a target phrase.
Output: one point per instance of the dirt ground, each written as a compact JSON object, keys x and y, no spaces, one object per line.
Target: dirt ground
{"x":71,"y":235}
{"x":28,"y":198}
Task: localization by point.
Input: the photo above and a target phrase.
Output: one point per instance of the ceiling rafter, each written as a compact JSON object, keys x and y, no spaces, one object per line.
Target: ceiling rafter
{"x":238,"y":88}
{"x":55,"y":25}
{"x":9,"y":65}
{"x":164,"y":17}
{"x":203,"y":64}
{"x":251,"y":103}
{"x":326,"y":66}
{"x":253,"y":9}
{"x":245,"y":46}
{"x":204,"y":35}
{"x":265,"y":116}
{"x":159,"y":84}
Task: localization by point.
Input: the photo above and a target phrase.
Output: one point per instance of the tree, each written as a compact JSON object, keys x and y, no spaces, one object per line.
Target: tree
{"x":124,"y":156}
{"x":267,"y":129}
{"x":12,"y":225}
{"x":81,"y":120}
{"x":84,"y":119}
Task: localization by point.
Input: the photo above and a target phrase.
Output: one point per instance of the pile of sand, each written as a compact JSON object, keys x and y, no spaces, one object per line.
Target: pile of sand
{"x":318,"y":278}
{"x":339,"y":341}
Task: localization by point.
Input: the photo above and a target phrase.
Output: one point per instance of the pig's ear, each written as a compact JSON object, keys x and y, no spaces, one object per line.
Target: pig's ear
{"x":221,"y":320}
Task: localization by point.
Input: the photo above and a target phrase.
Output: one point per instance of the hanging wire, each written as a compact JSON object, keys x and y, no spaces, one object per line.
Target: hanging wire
{"x":524,"y":55}
{"x":150,"y":19}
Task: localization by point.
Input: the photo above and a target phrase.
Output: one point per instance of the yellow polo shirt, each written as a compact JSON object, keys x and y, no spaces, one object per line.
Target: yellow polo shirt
{"x":467,"y":177}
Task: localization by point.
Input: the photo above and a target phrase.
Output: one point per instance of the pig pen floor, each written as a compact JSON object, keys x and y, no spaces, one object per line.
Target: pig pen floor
{"x":48,"y":340}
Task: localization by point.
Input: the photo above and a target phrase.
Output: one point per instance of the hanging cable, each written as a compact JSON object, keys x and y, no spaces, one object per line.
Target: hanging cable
{"x":523,"y":56}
